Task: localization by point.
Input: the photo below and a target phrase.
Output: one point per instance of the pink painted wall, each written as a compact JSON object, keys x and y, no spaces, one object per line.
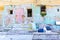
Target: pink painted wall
{"x":19,"y":13}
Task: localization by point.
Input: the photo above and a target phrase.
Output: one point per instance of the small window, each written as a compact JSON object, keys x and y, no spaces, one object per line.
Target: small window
{"x":57,"y":10}
{"x":43,"y":8}
{"x":11,"y":11}
{"x":29,"y":12}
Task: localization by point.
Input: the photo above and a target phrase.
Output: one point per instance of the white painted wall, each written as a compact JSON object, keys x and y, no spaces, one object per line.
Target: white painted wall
{"x":52,"y":13}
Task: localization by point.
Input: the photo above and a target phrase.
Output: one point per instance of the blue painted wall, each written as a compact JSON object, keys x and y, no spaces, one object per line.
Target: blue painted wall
{"x":51,"y":12}
{"x":49,"y":18}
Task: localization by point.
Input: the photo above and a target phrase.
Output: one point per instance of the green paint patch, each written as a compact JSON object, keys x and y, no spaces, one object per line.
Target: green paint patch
{"x":43,"y":14}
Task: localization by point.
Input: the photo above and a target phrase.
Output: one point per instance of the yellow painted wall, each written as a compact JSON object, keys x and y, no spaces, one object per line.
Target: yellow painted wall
{"x":1,"y":8}
{"x":48,"y":2}
{"x":38,"y":2}
{"x":16,"y":2}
